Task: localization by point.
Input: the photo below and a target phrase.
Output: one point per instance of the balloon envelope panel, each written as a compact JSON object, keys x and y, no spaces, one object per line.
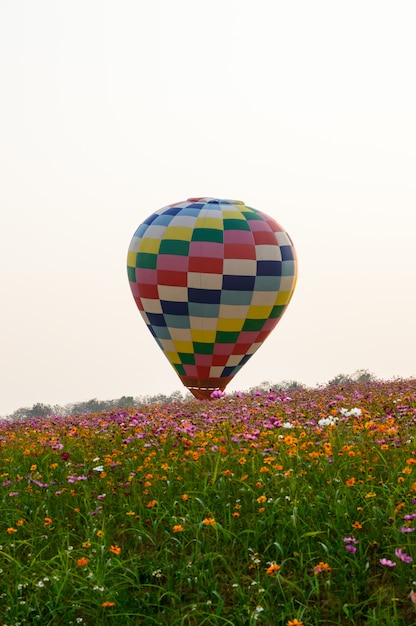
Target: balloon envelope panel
{"x":211,"y":279}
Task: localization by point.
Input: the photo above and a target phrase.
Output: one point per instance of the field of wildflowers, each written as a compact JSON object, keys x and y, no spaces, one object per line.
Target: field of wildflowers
{"x":295,"y":508}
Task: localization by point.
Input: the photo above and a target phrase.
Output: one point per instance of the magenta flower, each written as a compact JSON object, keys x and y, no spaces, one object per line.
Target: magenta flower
{"x":413,"y":596}
{"x":403,"y":556}
{"x":217,"y":394}
{"x":387,"y":563}
{"x":351,"y":548}
{"x":406,"y":529}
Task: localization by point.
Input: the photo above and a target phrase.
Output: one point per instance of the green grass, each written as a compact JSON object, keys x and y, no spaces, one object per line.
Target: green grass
{"x":228,"y":512}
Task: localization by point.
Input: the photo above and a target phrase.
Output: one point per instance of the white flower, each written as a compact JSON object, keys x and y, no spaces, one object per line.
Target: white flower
{"x":355,"y":412}
{"x":287,"y":425}
{"x":327,"y":421}
{"x":99,"y":468}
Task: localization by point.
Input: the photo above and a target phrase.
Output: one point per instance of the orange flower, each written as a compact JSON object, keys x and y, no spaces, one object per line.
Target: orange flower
{"x":20,"y":522}
{"x":100,"y":533}
{"x":350,"y":482}
{"x":184,"y":497}
{"x":357,"y":525}
{"x":294,"y":622}
{"x":261,"y":499}
{"x":11,"y":530}
{"x":48,"y":521}
{"x":107,"y":604}
{"x":274,"y":567}
{"x":151,"y":504}
{"x":115,"y":549}
{"x":236,"y":514}
{"x":33,"y":467}
{"x":178,"y":528}
{"x":321,"y":567}
{"x":209,"y":521}
{"x":82,"y":562}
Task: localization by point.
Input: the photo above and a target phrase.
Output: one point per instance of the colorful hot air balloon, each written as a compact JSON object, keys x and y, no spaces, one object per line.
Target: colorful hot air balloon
{"x":211,"y":279}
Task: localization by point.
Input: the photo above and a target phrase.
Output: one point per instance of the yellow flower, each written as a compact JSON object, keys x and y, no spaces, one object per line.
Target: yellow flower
{"x":130,"y":513}
{"x":86,"y":544}
{"x":261,"y":499}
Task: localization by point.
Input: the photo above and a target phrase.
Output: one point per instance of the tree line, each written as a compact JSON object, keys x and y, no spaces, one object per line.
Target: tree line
{"x":126,"y":402}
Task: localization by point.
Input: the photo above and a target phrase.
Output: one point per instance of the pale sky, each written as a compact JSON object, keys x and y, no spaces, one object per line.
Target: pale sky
{"x":110,"y":110}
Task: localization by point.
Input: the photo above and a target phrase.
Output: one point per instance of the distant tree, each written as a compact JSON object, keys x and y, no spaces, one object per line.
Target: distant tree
{"x":291,"y":385}
{"x":359,"y":376}
{"x":19,"y":414}
{"x":285,"y":385}
{"x":125,"y":402}
{"x":363,"y":376}
{"x":40,"y":410}
{"x":89,"y":406}
{"x":340,"y":379}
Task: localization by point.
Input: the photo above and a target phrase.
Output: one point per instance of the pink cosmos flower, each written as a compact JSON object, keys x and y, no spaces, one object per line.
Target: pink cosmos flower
{"x":387,"y":563}
{"x":403,"y":556}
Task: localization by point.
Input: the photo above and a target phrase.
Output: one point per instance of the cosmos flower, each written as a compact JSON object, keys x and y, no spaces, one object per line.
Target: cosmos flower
{"x":403,"y":556}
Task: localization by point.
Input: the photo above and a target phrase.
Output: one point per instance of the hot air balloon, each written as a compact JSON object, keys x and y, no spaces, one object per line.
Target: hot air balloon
{"x":211,"y":279}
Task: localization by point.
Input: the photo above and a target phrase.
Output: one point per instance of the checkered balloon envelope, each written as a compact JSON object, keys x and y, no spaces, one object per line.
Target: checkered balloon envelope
{"x":211,"y":279}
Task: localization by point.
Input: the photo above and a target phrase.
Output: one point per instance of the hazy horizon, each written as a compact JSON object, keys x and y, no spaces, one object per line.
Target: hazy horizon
{"x":305,"y":111}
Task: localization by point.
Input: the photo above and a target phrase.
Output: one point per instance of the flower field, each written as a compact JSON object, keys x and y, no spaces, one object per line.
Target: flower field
{"x":295,"y":508}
